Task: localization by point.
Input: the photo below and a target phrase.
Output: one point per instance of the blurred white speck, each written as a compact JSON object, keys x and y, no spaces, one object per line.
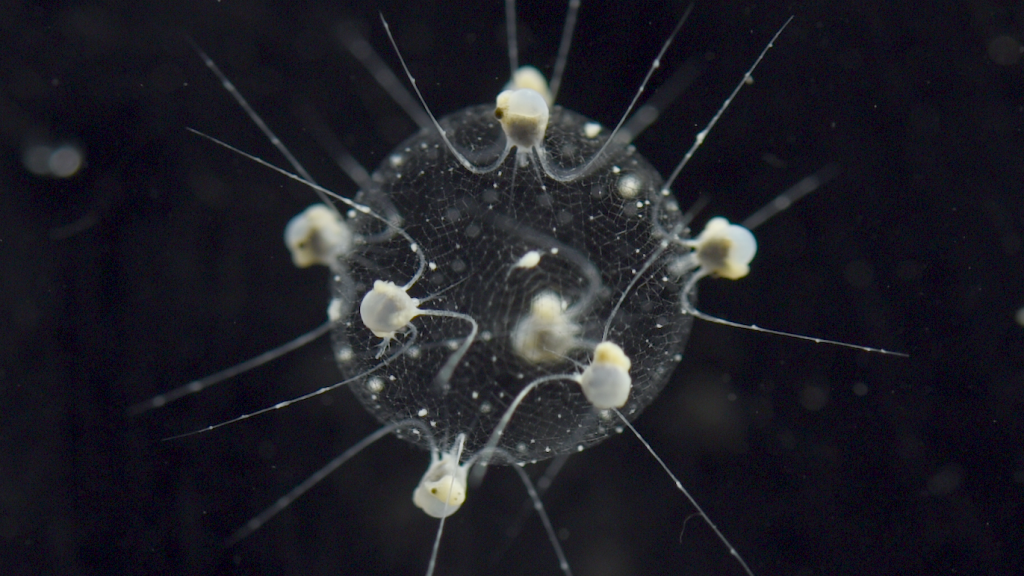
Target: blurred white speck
{"x":859,"y":274}
{"x":947,"y":480}
{"x":813,"y":398}
{"x":37,"y":159}
{"x":62,"y":161}
{"x":1005,"y":50}
{"x":65,"y":161}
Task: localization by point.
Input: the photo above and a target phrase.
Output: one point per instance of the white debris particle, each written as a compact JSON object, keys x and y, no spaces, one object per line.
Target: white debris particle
{"x":528,"y":260}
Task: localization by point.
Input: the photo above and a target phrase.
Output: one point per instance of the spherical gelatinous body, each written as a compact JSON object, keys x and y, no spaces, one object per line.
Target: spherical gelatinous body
{"x":600,"y":245}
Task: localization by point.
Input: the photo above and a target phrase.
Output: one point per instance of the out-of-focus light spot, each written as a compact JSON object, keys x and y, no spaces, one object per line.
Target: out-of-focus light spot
{"x":813,"y":398}
{"x":909,"y":270}
{"x":37,"y":160}
{"x":773,"y":160}
{"x":63,"y":161}
{"x":860,"y":389}
{"x":947,"y":480}
{"x":859,"y":273}
{"x":1019,"y":316}
{"x":1005,"y":50}
{"x":1011,"y":243}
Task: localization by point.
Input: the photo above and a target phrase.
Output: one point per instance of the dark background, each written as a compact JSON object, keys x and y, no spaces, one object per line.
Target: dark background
{"x":162,"y":261}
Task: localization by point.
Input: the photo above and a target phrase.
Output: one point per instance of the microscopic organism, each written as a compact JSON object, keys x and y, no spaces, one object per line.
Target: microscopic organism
{"x":513,"y":283}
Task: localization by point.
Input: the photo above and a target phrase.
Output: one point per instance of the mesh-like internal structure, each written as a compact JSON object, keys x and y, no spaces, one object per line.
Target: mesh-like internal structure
{"x":601,"y":236}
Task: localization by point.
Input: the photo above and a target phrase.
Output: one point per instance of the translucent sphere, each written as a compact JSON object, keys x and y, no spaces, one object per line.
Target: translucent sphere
{"x":546,"y":269}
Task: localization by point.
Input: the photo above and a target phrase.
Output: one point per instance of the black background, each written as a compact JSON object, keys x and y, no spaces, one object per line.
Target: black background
{"x":162,"y":261}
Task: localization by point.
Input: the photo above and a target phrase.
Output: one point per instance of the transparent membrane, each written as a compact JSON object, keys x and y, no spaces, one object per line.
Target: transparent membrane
{"x":495,"y":243}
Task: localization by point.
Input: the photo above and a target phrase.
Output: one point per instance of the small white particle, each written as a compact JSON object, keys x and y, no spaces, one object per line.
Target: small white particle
{"x":528,"y":260}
